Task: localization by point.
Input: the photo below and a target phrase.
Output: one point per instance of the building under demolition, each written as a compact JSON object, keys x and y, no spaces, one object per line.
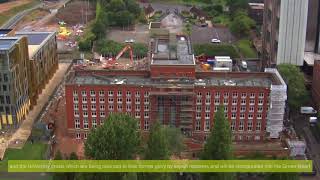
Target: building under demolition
{"x":173,"y":92}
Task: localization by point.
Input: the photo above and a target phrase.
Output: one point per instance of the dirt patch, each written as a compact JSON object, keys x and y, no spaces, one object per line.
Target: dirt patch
{"x":32,"y":18}
{"x":9,"y":5}
{"x":76,"y":12}
{"x":139,"y":34}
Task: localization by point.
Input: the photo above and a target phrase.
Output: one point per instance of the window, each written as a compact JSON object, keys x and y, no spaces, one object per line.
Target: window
{"x":243,"y":102}
{"x":241,"y":126}
{"x":233,"y":126}
{"x":250,"y":116}
{"x":233,"y":116}
{"x":198,"y":108}
{"x":119,"y":107}
{"x":85,"y":135}
{"x":208,"y":101}
{"x":102,"y":114}
{"x":216,"y":101}
{"x":252,"y":95}
{"x":77,"y":123}
{"x":146,"y":108}
{"x":137,"y":107}
{"x":257,"y":138}
{"x":225,"y":101}
{"x":85,"y":123}
{"x":243,"y":95}
{"x":260,"y":109}
{"x":234,"y":101}
{"x":137,"y":94}
{"x":128,"y":94}
{"x":240,"y":138}
{"x":217,"y":95}
{"x":75,"y":93}
{"x":101,"y":93}
{"x":241,"y":116}
{"x":260,"y":102}
{"x":199,"y":94}
{"x":119,"y":101}
{"x":146,"y":94}
{"x":92,"y":93}
{"x":137,"y":114}
{"x":198,"y":116}
{"x":119,"y":93}
{"x":226,"y":95}
{"x":251,"y":109}
{"x":110,"y":107}
{"x":198,"y":125}
{"x":110,"y":93}
{"x":225,"y":108}
{"x":207,"y":108}
{"x":76,"y":107}
{"x":251,"y":101}
{"x":250,"y":124}
{"x":85,"y":113}
{"x":94,"y":114}
{"x":146,"y":124}
{"x":208,"y":95}
{"x":258,"y":126}
{"x":137,"y":100}
{"x":110,"y":100}
{"x":128,"y":100}
{"x":93,"y":107}
{"x":234,"y":109}
{"x":78,"y":136}
{"x":207,"y":125}
{"x":207,"y":116}
{"x":215,"y":108}
{"x":259,"y":116}
{"x":102,"y":121}
{"x":101,"y":100}
{"x":199,"y":101}
{"x":261,"y":95}
{"x":75,"y":99}
{"x":234,"y":94}
{"x":128,"y":108}
{"x":93,"y":100}
{"x":84,"y":93}
{"x":84,"y":99}
{"x":146,"y":101}
{"x":146,"y":114}
{"x":94,"y":123}
{"x":84,"y":107}
{"x":242,"y":109}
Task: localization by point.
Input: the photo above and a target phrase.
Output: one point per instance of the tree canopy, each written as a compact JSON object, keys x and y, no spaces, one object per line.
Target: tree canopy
{"x":297,"y":93}
{"x":241,"y":24}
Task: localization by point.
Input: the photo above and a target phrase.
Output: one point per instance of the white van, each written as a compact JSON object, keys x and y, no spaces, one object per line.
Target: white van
{"x":307,"y":110}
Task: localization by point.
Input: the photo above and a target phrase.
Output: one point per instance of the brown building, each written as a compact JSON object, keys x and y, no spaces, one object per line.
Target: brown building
{"x":43,"y":60}
{"x":316,"y":83}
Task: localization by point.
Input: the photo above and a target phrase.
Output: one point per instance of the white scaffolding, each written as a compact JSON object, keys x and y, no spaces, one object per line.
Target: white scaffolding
{"x":277,"y":99}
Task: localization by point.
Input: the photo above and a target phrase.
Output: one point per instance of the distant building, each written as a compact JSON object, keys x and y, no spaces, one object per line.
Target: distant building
{"x":256,"y":12}
{"x":174,"y":93}
{"x":316,"y":83}
{"x":14,"y":83}
{"x":43,"y":60}
{"x":198,"y":13}
{"x":284,"y":32}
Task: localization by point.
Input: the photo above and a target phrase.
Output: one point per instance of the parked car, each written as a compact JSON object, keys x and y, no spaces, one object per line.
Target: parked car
{"x":215,"y":40}
{"x":307,"y":110}
{"x":129,"y":41}
{"x":244,"y":64}
{"x":313,"y":121}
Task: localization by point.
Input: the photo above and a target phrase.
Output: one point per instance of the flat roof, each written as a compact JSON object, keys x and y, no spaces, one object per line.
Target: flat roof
{"x":135,"y":80}
{"x":310,"y":57}
{"x":4,"y":32}
{"x":7,"y":42}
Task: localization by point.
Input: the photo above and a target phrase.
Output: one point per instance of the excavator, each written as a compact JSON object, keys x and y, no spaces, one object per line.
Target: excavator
{"x":113,"y":61}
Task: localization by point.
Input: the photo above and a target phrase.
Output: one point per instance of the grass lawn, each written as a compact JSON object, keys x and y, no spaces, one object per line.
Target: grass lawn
{"x":5,"y":16}
{"x":216,"y":50}
{"x":246,"y":49}
{"x":222,"y":19}
{"x":30,"y":151}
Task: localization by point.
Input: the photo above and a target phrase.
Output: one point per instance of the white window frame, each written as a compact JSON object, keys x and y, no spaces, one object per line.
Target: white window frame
{"x":77,"y":123}
{"x":92,"y":93}
{"x":198,"y":125}
{"x":83,"y":93}
{"x":110,"y":93}
{"x":241,"y":125}
{"x":101,"y":93}
{"x":207,"y":125}
{"x":85,"y":123}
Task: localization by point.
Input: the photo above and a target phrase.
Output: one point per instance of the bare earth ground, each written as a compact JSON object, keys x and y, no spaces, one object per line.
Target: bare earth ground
{"x":9,"y":5}
{"x":139,"y":34}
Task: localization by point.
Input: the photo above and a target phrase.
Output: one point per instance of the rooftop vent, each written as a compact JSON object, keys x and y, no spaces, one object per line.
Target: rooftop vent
{"x":229,"y":83}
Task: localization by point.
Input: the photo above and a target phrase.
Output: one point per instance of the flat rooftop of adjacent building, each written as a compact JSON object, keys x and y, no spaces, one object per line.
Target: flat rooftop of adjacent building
{"x":35,"y":40}
{"x":7,"y":42}
{"x":204,"y":79}
{"x":176,"y":50}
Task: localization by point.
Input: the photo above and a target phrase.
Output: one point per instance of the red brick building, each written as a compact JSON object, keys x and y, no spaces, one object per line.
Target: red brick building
{"x":316,"y":83}
{"x":175,"y":94}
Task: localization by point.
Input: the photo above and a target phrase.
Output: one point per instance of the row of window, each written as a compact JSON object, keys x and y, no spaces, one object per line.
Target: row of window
{"x":110,"y":100}
{"x":233,"y":115}
{"x":110,"y":93}
{"x":234,"y":95}
{"x":207,"y":126}
{"x":103,"y":114}
{"x":233,"y":108}
{"x":4,"y":77}
{"x":226,"y":101}
{"x":5,"y":100}
{"x":110,"y":107}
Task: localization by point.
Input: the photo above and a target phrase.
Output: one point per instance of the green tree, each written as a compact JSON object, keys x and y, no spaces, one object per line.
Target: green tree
{"x":237,"y":4}
{"x":116,"y":139}
{"x":219,"y":145}
{"x":175,"y":139}
{"x":297,"y":93}
{"x":241,"y":24}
